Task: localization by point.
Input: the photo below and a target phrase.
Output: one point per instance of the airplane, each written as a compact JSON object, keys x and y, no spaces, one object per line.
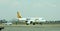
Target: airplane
{"x":7,"y":23}
{"x":29,"y":20}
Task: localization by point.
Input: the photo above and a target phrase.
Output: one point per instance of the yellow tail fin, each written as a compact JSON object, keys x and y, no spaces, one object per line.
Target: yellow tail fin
{"x":18,"y":15}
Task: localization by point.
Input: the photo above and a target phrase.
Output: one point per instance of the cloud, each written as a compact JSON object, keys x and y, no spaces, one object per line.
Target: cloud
{"x":15,"y":3}
{"x":43,"y":5}
{"x":4,"y":1}
{"x":50,"y":4}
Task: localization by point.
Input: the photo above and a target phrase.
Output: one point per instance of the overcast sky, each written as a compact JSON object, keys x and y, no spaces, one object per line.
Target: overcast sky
{"x":48,"y":9}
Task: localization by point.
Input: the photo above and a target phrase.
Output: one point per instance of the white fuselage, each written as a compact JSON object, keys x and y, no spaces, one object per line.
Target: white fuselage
{"x":31,"y":20}
{"x":8,"y":23}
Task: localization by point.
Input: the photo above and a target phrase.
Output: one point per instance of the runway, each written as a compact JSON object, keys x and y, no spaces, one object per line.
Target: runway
{"x":32,"y":28}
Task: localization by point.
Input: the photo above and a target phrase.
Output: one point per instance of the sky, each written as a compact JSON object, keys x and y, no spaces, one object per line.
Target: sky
{"x":47,"y":9}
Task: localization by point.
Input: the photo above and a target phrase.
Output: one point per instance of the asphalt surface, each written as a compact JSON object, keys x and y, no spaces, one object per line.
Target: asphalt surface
{"x":31,"y":27}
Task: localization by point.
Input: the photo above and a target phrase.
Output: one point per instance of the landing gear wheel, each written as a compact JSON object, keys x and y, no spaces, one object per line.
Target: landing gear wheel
{"x":27,"y":24}
{"x":33,"y":23}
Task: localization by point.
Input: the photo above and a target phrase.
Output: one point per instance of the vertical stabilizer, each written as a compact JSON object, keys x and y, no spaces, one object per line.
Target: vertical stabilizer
{"x":18,"y":15}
